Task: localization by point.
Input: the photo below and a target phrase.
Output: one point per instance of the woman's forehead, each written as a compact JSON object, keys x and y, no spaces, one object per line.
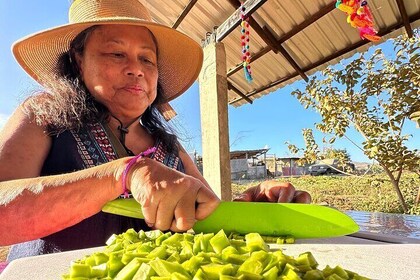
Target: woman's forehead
{"x":121,"y":33}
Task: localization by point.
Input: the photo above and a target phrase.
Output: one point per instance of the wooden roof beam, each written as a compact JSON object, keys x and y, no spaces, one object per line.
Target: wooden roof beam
{"x":270,"y":85}
{"x":184,"y":13}
{"x":298,"y":28}
{"x":235,"y":19}
{"x":405,"y":19}
{"x":278,"y":47}
{"x":325,"y":10}
{"x":238,"y":92}
{"x":329,"y":58}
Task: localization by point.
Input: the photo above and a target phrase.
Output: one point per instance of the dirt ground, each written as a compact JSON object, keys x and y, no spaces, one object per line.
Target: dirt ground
{"x":3,"y":253}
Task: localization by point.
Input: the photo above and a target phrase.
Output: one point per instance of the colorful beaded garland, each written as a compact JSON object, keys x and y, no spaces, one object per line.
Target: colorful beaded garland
{"x":246,"y":56}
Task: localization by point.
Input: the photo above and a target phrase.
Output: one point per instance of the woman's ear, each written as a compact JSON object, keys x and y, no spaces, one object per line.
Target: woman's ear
{"x":79,"y":62}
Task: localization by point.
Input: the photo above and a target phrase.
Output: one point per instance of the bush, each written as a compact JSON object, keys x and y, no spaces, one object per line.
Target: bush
{"x":373,"y":193}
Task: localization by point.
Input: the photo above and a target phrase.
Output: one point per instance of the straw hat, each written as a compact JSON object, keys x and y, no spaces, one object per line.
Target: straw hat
{"x":179,"y":57}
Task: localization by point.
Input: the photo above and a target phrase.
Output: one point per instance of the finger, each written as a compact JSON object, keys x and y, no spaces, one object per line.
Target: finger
{"x":149,"y":210}
{"x":207,"y":202}
{"x":148,"y":207}
{"x":165,"y":215}
{"x":302,"y":197}
{"x":254,"y":193}
{"x":259,"y":195}
{"x":286,"y":193}
{"x":184,"y":214}
{"x":271,"y":190}
{"x":278,"y":191}
{"x":147,"y":200}
{"x":245,"y":196}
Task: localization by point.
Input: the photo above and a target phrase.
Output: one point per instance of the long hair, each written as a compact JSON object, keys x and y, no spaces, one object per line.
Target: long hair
{"x":66,"y":103}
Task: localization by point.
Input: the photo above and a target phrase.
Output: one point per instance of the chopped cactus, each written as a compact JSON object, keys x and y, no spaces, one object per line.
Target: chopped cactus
{"x":155,"y":255}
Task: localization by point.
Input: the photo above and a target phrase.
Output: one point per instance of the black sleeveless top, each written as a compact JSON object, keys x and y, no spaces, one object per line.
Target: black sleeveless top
{"x":72,"y":151}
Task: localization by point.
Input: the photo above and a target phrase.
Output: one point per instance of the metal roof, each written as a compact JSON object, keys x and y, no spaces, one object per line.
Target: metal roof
{"x":247,"y":154}
{"x":308,"y":33}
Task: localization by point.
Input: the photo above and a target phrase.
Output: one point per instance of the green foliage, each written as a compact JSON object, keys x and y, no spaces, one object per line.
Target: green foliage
{"x":341,"y":155}
{"x":372,"y":193}
{"x":375,"y":95}
{"x":336,"y":153}
{"x":311,"y":152}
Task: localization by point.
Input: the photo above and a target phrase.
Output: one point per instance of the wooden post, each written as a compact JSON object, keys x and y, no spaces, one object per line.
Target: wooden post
{"x":290,"y":167}
{"x":265,"y":166}
{"x":214,"y":120}
{"x":275,"y":166}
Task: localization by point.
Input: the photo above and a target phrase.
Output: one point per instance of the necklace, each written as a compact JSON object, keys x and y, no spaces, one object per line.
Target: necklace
{"x":123,"y":132}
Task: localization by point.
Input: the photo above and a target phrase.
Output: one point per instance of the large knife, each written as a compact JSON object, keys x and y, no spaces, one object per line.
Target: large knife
{"x":271,"y":219}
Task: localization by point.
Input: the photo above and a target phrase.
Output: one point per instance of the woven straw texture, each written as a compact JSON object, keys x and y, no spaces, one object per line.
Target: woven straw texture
{"x":179,"y":57}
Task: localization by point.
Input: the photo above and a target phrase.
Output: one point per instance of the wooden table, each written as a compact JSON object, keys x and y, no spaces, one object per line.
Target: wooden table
{"x":370,"y":258}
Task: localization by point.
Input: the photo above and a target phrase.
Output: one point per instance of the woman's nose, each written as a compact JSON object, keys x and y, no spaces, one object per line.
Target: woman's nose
{"x":134,"y":68}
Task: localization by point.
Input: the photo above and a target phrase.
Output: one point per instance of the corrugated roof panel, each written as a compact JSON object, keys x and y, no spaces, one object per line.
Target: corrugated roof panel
{"x":384,"y":13}
{"x":165,"y":12}
{"x":411,"y":6}
{"x":327,"y":36}
{"x":210,"y":13}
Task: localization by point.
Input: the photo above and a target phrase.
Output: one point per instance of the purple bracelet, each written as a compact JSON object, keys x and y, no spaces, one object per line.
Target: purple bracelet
{"x":130,"y":164}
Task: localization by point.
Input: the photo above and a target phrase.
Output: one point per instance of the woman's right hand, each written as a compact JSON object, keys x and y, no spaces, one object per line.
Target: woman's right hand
{"x":169,"y":199}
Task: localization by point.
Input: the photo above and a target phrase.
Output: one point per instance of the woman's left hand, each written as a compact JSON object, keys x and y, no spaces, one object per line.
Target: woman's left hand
{"x":274,"y":191}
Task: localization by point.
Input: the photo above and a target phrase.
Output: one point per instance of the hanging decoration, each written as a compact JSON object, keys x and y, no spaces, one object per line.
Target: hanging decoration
{"x":360,"y":17}
{"x":246,"y":56}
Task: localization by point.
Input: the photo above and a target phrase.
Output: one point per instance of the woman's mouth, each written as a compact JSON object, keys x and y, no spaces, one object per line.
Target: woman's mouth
{"x":135,"y":89}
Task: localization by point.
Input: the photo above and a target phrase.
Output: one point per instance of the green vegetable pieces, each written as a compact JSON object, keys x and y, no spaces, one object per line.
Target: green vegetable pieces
{"x":156,"y":255}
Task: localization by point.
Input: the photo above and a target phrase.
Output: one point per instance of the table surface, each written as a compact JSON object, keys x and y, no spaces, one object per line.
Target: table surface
{"x":370,"y":258}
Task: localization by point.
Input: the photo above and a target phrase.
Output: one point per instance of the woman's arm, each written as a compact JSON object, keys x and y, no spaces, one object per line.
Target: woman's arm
{"x":24,"y":147}
{"x":33,"y":206}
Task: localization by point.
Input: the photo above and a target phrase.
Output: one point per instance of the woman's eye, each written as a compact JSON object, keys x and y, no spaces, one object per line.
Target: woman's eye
{"x":117,"y":55}
{"x":146,"y":60}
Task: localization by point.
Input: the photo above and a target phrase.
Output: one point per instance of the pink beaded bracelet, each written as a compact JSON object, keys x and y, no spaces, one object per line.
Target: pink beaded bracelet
{"x":129,"y":165}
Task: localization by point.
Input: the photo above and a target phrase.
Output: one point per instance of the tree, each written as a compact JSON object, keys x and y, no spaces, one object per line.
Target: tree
{"x":311,"y":152}
{"x":340,"y":154}
{"x":375,"y":95}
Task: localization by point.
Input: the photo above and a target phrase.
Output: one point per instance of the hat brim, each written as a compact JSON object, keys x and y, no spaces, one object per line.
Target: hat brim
{"x":179,"y":57}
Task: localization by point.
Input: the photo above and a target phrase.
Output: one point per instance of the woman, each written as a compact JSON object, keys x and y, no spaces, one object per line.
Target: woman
{"x":108,"y":75}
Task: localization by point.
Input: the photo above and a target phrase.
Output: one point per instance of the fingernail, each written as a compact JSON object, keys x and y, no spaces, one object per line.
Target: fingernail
{"x":184,"y":223}
{"x":241,"y":196}
{"x":150,"y":224}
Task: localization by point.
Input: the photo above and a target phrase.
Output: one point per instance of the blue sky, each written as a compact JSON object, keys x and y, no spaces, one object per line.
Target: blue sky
{"x":269,"y":121}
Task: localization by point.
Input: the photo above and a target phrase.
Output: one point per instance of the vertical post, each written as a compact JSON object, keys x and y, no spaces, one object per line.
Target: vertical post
{"x":290,"y":167}
{"x":247,"y":167}
{"x":275,"y":166}
{"x":265,"y":166}
{"x":214,"y":120}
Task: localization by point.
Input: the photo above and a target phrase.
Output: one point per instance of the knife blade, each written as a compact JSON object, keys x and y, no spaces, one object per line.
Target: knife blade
{"x":271,"y":219}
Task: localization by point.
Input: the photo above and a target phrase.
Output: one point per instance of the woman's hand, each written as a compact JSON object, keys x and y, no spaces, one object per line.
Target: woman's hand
{"x":274,"y":191}
{"x":170,"y":199}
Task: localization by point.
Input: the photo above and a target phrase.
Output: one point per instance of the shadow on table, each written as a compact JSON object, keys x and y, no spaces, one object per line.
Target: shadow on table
{"x":362,"y":237}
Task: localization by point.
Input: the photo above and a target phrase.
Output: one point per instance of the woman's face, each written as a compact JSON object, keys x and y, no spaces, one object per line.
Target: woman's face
{"x":119,"y":68}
